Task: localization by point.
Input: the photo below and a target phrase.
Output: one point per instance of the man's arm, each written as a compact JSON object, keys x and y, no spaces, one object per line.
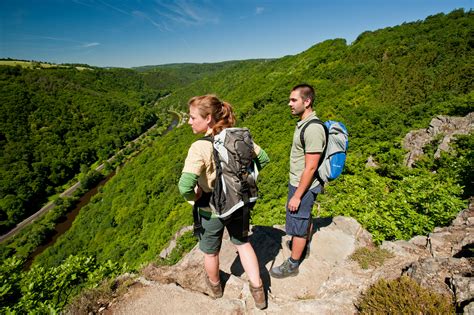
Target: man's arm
{"x":311,"y":165}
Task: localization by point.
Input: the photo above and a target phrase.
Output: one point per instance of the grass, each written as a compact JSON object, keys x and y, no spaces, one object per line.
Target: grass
{"x":36,"y":65}
{"x":371,"y":257}
{"x":93,"y":301}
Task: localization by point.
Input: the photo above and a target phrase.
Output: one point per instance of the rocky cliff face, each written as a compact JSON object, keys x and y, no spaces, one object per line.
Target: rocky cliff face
{"x":441,"y":126}
{"x":329,"y":281}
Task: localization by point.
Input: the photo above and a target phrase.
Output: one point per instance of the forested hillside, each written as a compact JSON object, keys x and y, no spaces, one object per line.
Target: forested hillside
{"x":176,"y":75}
{"x":383,"y":85}
{"x":54,"y":121}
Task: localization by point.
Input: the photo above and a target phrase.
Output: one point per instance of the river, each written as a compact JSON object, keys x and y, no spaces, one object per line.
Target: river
{"x":63,"y":226}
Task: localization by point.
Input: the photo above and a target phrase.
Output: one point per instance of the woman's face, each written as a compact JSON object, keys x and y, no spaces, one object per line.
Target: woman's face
{"x":198,"y":123}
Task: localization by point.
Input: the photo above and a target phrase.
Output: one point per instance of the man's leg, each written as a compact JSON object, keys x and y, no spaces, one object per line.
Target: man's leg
{"x":299,"y":225}
{"x":297,"y":247}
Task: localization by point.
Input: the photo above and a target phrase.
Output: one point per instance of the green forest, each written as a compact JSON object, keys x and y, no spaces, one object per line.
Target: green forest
{"x":55,"y":121}
{"x":383,"y":85}
{"x":58,"y":121}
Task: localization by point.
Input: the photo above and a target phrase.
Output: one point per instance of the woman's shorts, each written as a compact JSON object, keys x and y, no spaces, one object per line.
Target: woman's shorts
{"x":210,"y":236}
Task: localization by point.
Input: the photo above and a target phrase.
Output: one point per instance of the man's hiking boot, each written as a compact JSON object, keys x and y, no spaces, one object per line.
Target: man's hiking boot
{"x":258,"y":295}
{"x":306,"y":250}
{"x":287,"y":269}
{"x":216,"y":289}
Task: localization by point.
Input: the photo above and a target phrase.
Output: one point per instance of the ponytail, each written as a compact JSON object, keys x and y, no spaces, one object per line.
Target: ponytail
{"x":226,"y":119}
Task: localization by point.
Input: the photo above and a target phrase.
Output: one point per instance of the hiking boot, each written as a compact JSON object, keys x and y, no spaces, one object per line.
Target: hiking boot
{"x":287,"y":269}
{"x":216,"y":289}
{"x":306,"y":250}
{"x":259,"y":296}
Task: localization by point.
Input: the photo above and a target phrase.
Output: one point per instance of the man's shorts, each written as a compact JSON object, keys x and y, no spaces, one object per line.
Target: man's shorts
{"x":297,"y":223}
{"x":210,"y":237}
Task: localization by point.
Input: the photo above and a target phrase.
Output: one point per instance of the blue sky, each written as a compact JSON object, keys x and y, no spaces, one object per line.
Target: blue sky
{"x":149,"y":32}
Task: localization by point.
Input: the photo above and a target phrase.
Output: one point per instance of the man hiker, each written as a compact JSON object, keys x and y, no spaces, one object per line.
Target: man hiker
{"x":303,"y":185}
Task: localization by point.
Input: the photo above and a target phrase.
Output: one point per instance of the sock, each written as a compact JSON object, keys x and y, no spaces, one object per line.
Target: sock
{"x":294,"y":263}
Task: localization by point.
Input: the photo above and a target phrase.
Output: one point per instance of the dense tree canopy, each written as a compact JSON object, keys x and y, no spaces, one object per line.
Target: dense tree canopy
{"x":55,"y":120}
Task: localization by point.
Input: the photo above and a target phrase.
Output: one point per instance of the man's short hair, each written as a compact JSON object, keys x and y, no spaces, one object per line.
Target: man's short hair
{"x":306,"y":91}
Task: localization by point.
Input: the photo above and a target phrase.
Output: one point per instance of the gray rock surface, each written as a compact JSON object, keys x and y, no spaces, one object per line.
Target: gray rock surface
{"x":441,"y":126}
{"x":329,"y":282}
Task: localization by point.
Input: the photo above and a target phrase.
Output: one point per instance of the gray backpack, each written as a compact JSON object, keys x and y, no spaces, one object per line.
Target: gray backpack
{"x":236,"y":172}
{"x":235,"y":187}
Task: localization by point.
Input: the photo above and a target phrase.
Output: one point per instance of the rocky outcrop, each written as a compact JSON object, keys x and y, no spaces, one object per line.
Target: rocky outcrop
{"x":440,"y":126}
{"x":329,"y":281}
{"x":450,"y":267}
{"x":165,"y":252}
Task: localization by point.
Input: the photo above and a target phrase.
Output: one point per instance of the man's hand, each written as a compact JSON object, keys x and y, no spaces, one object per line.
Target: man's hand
{"x":294,"y":204}
{"x":311,"y":164}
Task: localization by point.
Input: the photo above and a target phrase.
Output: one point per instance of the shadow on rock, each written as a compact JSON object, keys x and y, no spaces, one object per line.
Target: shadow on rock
{"x":266,"y":241}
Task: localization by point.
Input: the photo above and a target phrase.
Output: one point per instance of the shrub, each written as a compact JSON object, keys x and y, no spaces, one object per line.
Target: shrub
{"x":403,"y":296}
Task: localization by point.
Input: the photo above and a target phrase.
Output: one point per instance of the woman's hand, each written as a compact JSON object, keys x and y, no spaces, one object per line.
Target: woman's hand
{"x":197,"y":192}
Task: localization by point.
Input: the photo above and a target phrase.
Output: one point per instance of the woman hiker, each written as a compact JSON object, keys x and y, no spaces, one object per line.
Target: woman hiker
{"x":209,"y":116}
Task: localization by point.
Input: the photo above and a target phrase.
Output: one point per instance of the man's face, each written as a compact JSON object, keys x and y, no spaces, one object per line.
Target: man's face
{"x":297,"y":104}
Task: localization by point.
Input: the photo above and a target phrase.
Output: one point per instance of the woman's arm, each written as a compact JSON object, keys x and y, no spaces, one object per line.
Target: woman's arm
{"x":186,"y":185}
{"x":262,"y":159}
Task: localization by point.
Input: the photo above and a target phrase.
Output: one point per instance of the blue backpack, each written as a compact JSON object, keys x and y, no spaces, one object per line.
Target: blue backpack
{"x":333,"y":158}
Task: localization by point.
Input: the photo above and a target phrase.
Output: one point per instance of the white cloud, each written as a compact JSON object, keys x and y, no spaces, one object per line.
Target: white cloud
{"x":115,"y":8}
{"x":185,"y":12}
{"x":145,"y":16}
{"x":90,"y":45}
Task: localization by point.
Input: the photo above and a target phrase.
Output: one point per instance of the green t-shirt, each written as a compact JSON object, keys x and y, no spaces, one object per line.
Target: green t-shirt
{"x":315,"y":140}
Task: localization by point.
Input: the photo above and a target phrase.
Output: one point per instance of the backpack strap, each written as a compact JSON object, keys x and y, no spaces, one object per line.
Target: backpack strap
{"x":323,"y":154}
{"x":207,"y":138}
{"x":201,"y":202}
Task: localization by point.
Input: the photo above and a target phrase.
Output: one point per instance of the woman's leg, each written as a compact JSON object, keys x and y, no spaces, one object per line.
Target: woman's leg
{"x":250,"y":263}
{"x":211,"y":265}
{"x":210,"y":244}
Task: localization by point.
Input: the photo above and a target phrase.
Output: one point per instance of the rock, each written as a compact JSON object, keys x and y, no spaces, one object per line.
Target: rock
{"x":172,"y":299}
{"x":446,"y":126}
{"x":437,"y":273}
{"x":329,"y":282}
{"x":165,"y":252}
{"x":463,"y":287}
{"x":469,"y":309}
{"x":371,"y":162}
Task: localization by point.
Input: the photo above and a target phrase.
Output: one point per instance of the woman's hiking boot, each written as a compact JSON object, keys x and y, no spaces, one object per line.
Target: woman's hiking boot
{"x":258,"y":295}
{"x":305,"y":253}
{"x":287,"y":269}
{"x":216,"y":289}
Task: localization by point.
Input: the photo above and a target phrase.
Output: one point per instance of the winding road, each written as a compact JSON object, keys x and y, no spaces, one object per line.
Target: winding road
{"x":71,"y":190}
